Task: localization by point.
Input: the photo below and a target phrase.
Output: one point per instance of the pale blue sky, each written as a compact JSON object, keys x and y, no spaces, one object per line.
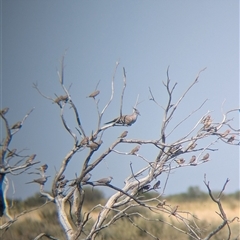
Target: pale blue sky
{"x":147,"y":37}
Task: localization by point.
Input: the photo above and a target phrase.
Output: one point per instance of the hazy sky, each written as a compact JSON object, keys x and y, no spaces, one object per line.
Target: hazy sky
{"x":145,"y":37}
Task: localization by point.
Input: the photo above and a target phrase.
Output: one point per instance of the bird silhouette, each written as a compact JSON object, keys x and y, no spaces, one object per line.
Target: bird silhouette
{"x":4,"y":111}
{"x":94,"y":94}
{"x":40,"y":181}
{"x":124,"y":134}
{"x":61,"y":98}
{"x":191,"y":146}
{"x":11,"y":153}
{"x":63,"y":183}
{"x":225,"y":133}
{"x":30,"y":159}
{"x":176,"y":149}
{"x":126,"y":119}
{"x":205,"y":157}
{"x":135,"y":150}
{"x":208,"y":124}
{"x":174,"y":210}
{"x":43,"y":168}
{"x":156,"y":185}
{"x":17,"y":125}
{"x":95,"y":145}
{"x":104,"y":180}
{"x":206,"y":119}
{"x":193,"y":159}
{"x":84,"y":141}
{"x":231,"y":139}
{"x":144,"y":189}
{"x":180,"y":161}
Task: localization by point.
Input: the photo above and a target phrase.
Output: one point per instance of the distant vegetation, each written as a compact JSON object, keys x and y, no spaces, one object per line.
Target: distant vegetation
{"x":45,"y":219}
{"x":194,"y":193}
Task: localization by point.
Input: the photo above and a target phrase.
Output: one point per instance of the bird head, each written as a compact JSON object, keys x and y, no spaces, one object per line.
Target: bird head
{"x":136,"y":111}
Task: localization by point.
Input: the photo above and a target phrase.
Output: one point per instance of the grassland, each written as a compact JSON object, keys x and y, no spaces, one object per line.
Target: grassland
{"x":204,"y":210}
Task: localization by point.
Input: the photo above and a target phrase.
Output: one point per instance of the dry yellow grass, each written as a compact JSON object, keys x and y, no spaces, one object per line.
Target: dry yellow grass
{"x":205,"y":211}
{"x":202,"y":210}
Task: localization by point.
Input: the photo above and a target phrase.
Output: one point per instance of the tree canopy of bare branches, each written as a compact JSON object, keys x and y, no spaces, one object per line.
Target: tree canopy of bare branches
{"x":183,"y":152}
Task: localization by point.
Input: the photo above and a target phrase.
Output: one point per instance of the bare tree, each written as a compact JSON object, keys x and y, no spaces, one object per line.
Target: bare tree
{"x":183,"y":152}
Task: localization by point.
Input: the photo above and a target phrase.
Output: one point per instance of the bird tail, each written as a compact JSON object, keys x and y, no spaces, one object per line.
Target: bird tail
{"x":108,"y":122}
{"x":29,"y":182}
{"x":113,"y":121}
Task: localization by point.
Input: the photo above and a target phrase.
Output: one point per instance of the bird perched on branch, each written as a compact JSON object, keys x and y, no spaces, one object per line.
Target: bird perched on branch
{"x":231,"y":139}
{"x":180,"y":161}
{"x":191,"y":146}
{"x":104,"y":180}
{"x":211,"y":129}
{"x":144,"y":189}
{"x":174,"y":210}
{"x":11,"y":153}
{"x":135,"y":150}
{"x":43,"y":168}
{"x":40,"y":181}
{"x":63,"y":183}
{"x":95,"y":145}
{"x":123,"y":135}
{"x":30,"y":159}
{"x":176,"y":149}
{"x":17,"y":125}
{"x":156,"y":185}
{"x":94,"y":94}
{"x":126,"y":119}
{"x":193,"y":159}
{"x":225,"y":133}
{"x":206,"y":119}
{"x":84,"y":141}
{"x":4,"y":111}
{"x":207,"y":124}
{"x":61,"y":98}
{"x":205,"y":157}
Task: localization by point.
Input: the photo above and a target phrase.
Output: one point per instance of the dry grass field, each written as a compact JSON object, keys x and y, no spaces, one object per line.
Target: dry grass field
{"x":46,"y":220}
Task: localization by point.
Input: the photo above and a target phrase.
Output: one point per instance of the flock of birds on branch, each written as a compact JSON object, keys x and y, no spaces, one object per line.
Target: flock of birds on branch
{"x":124,"y":120}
